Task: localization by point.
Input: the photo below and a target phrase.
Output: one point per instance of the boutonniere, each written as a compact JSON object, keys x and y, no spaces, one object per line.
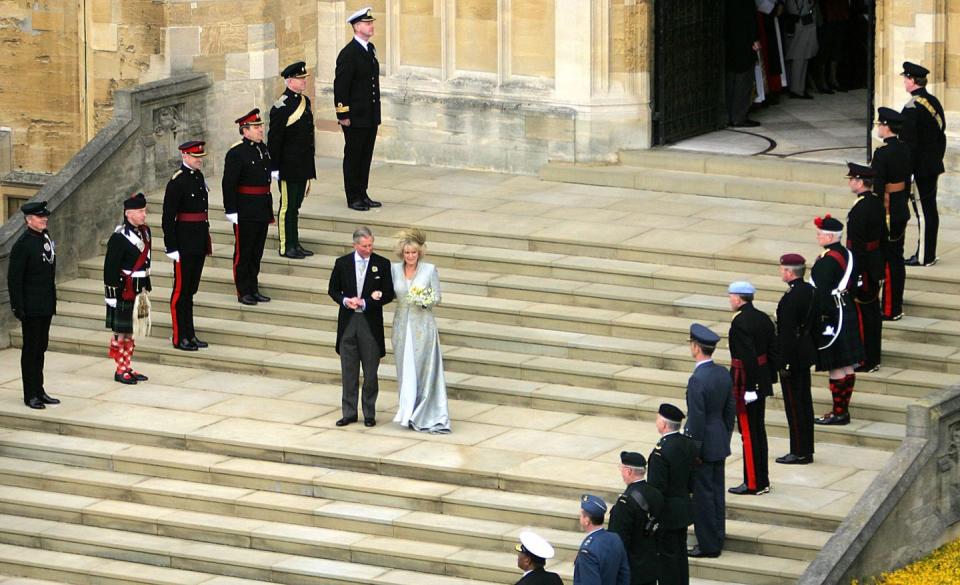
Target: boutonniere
{"x":373,"y":269}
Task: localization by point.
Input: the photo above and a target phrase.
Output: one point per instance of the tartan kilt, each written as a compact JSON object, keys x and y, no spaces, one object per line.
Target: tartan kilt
{"x":120,"y":319}
{"x":847,"y":350}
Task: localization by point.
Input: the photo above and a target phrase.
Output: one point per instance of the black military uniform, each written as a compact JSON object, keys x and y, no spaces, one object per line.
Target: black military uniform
{"x":186,"y":236}
{"x":246,"y":193}
{"x":753,"y":359}
{"x":126,"y":274}
{"x":356,"y":92}
{"x":836,"y":333}
{"x":796,"y":355}
{"x":634,"y":518}
{"x":670,"y":470}
{"x":866,"y":236}
{"x":291,"y":144}
{"x":31,"y":275}
{"x":893,"y":166}
{"x":924,"y":131}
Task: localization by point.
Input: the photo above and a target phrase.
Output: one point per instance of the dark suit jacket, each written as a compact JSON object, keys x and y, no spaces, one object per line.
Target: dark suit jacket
{"x":540,"y":577}
{"x":710,"y":410}
{"x":343,"y":285}
{"x":796,"y":322}
{"x":356,"y":87}
{"x":925,"y":133}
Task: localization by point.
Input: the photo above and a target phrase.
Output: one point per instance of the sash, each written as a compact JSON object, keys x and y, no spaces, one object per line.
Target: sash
{"x":933,"y":111}
{"x":128,"y":294}
{"x":301,"y":108}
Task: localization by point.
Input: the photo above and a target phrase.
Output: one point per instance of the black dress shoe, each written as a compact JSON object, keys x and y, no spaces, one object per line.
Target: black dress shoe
{"x":304,"y":251}
{"x":44,"y":398}
{"x":198,"y":343}
{"x":261,"y":298}
{"x":137,"y":376}
{"x":124,"y":378}
{"x":359,"y":206}
{"x":186,"y":345}
{"x":896,"y":317}
{"x":372,"y":203}
{"x":369,"y":422}
{"x":696,"y":553}
{"x":293,"y":254}
{"x":743,"y":490}
{"x":345,"y":421}
{"x":911,"y":261}
{"x":35,"y":403}
{"x":248,"y":300}
{"x":791,"y":459}
{"x":833,"y":419}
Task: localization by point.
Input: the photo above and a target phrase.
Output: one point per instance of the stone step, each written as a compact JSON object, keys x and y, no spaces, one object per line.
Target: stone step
{"x":508,"y":449}
{"x":11,"y":580}
{"x":543,"y":512}
{"x":651,"y":355}
{"x":579,"y":377}
{"x":794,"y":171}
{"x":76,"y":569}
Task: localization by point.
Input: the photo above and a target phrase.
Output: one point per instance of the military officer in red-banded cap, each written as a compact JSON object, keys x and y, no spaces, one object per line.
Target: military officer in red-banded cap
{"x":248,"y":204}
{"x":186,"y":238}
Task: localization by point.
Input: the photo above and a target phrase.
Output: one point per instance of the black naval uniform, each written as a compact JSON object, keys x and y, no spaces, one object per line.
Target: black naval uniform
{"x":246,"y":192}
{"x":356,"y":92}
{"x":753,"y":359}
{"x":540,"y":576}
{"x":634,"y":518}
{"x":797,"y":352}
{"x":186,"y":230}
{"x":126,"y":272}
{"x":670,"y":470}
{"x":924,"y":126}
{"x":893,"y":166}
{"x":866,"y":235}
{"x":33,"y":299}
{"x":291,"y":144}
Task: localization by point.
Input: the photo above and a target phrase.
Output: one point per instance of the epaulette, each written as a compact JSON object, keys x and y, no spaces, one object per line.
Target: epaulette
{"x":176,"y":174}
{"x":280,"y":102}
{"x":237,"y":143}
{"x":825,"y":252}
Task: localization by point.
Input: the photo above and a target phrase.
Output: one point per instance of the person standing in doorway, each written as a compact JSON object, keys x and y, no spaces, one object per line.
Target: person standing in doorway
{"x":742,"y":41}
{"x":801,"y":44}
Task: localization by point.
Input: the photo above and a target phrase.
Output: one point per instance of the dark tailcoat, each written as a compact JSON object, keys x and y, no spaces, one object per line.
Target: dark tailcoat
{"x":630,"y":519}
{"x":343,"y":284}
{"x":290,"y":137}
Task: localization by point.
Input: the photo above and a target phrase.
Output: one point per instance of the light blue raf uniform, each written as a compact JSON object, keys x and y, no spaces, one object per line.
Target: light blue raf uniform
{"x":602,"y":560}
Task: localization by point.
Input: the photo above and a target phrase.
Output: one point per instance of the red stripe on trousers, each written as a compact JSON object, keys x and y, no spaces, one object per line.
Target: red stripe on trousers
{"x":887,"y":291}
{"x":236,"y":254}
{"x":739,"y":381}
{"x":177,"y":285}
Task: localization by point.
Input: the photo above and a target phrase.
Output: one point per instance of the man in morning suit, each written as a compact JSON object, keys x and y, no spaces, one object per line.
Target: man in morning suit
{"x":291,"y":144}
{"x":893,"y":166}
{"x":360,"y":284}
{"x":710,"y":417}
{"x":795,"y":324}
{"x":753,"y":358}
{"x":601,"y":560}
{"x":670,"y":469}
{"x":248,"y":205}
{"x":356,"y":93}
{"x":31,"y":275}
{"x":186,"y":240}
{"x":532,"y":554}
{"x":924,"y":131}
{"x":634,"y":518}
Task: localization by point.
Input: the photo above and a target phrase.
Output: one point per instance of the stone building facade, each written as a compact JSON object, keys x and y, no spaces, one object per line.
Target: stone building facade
{"x":489,"y":84}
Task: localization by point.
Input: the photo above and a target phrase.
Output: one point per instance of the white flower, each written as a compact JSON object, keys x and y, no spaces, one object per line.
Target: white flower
{"x":424,"y":297}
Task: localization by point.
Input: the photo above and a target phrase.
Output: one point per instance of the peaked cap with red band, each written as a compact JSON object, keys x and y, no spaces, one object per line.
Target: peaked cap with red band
{"x":193,"y":148}
{"x":252,"y":118}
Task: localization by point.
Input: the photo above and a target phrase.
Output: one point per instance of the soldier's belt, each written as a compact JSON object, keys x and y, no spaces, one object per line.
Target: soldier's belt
{"x":253,"y":189}
{"x":192,"y":217}
{"x":868,"y":246}
{"x":738,"y":363}
{"x":894,"y":187}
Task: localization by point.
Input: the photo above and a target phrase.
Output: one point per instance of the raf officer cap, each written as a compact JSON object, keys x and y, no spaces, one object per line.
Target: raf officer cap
{"x":362,"y":15}
{"x":298,"y":70}
{"x":38,"y":208}
{"x":792,"y":260}
{"x":889,"y":117}
{"x":828,"y":224}
{"x":633,"y":459}
{"x":855,"y":171}
{"x":702,"y":335}
{"x":138,"y":201}
{"x":670,"y":412}
{"x":593,"y":505}
{"x":913,"y":70}
{"x":741,"y":287}
{"x":193,"y":148}
{"x":534,"y":545}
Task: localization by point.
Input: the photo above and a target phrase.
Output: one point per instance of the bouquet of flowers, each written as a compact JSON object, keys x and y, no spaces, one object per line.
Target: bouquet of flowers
{"x":424,"y":297}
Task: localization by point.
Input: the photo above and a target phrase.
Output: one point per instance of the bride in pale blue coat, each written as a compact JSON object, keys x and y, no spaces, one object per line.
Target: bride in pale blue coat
{"x":416,"y":342}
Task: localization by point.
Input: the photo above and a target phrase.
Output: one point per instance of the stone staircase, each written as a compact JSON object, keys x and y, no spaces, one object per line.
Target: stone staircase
{"x":564,"y":325}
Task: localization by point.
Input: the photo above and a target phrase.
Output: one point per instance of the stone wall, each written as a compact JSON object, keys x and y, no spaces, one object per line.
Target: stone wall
{"x":136,"y":151}
{"x":917,"y":494}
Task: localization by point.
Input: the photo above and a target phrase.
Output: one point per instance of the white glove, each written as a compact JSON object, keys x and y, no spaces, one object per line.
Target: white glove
{"x":275,"y":175}
{"x":175,"y":255}
{"x":111,"y":302}
{"x":750,"y":397}
{"x":232,"y":218}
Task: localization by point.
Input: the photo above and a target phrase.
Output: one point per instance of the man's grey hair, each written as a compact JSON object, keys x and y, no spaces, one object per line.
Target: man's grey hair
{"x":638,"y":471}
{"x":798,"y":270}
{"x":360,"y":233}
{"x":671,"y":425}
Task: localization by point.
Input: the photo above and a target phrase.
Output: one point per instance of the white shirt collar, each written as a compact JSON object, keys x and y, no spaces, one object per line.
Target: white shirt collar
{"x":670,"y":433}
{"x":362,"y":42}
{"x":701,"y":362}
{"x":358,"y":258}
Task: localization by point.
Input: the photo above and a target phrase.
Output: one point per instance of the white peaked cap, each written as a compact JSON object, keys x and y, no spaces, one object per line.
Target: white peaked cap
{"x":536,"y":545}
